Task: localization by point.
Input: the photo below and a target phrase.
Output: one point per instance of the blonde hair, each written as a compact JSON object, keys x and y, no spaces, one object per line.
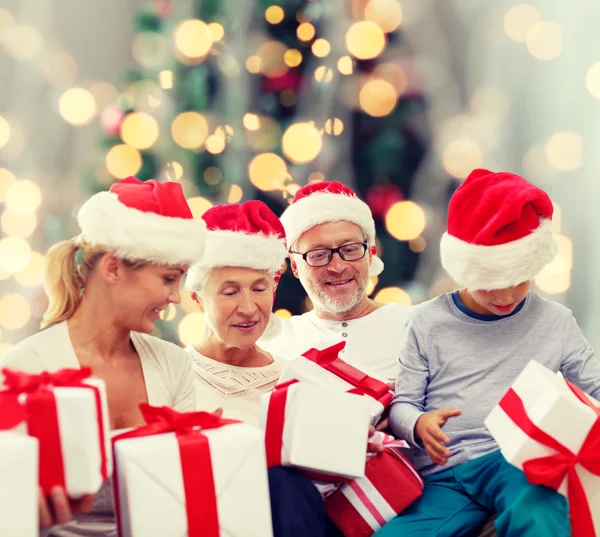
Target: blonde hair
{"x":64,"y":280}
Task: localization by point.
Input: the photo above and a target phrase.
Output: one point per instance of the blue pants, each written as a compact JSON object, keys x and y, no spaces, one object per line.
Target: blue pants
{"x":457,"y":502}
{"x":296,"y":505}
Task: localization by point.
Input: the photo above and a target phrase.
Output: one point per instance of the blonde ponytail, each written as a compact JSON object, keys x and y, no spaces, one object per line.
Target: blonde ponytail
{"x":62,"y":282}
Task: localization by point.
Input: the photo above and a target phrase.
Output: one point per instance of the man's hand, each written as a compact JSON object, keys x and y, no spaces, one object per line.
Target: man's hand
{"x":57,"y":508}
{"x":429,"y":430}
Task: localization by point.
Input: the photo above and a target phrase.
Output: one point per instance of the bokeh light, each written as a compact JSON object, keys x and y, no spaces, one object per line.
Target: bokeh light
{"x":18,"y":224}
{"x":544,"y":40}
{"x":251,"y":122}
{"x":198,"y":206}
{"x":387,"y":14}
{"x":217,"y":32}
{"x":365,"y":40}
{"x":15,"y":311}
{"x":345,"y":65}
{"x":592,"y":80}
{"x":33,"y":273}
{"x":15,"y":254}
{"x":267,"y":171}
{"x":377,"y":98}
{"x":23,"y":196}
{"x":139,"y":130}
{"x":393,"y":295}
{"x":189,"y":130}
{"x":191,"y":328}
{"x":405,"y":220}
{"x":292,"y":57}
{"x":23,"y":41}
{"x":193,"y":38}
{"x":123,"y":160}
{"x":283,"y":313}
{"x":272,"y":58}
{"x":274,"y":14}
{"x":235,"y":194}
{"x":305,"y":31}
{"x":321,"y":48}
{"x":334,"y":126}
{"x":519,"y":20}
{"x":564,"y":151}
{"x":77,"y":106}
{"x":462,"y":156}
{"x":215,"y":144}
{"x":301,"y":142}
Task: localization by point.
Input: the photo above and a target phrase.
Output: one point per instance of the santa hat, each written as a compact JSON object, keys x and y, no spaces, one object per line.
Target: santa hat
{"x":143,"y":221}
{"x":324,"y":201}
{"x":499,"y":231}
{"x":245,"y":235}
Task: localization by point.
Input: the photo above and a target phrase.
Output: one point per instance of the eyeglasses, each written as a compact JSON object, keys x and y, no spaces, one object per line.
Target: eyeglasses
{"x":323,"y":256}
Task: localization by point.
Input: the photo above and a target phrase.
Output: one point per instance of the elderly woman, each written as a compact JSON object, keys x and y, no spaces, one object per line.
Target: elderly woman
{"x":106,"y":289}
{"x":234,"y":286}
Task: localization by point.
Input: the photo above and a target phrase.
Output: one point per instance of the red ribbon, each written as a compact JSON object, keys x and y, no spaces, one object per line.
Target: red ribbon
{"x":275,"y":423}
{"x":363,"y":384}
{"x":11,"y":412}
{"x":42,"y":417}
{"x":551,"y":470}
{"x":196,"y":463}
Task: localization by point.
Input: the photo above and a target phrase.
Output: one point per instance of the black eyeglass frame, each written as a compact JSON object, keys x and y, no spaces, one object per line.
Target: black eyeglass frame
{"x":332,"y":251}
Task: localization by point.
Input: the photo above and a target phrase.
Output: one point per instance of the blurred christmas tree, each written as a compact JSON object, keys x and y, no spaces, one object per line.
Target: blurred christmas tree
{"x":251,"y":100}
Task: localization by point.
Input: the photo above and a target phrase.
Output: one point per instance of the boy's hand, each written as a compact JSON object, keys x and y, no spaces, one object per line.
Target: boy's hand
{"x":429,"y":430}
{"x":57,"y":508}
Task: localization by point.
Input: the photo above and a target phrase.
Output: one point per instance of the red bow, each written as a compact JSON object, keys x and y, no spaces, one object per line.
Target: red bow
{"x":196,"y":463}
{"x":363,"y":384}
{"x":11,"y":411}
{"x":17,"y":381}
{"x":552,"y":470}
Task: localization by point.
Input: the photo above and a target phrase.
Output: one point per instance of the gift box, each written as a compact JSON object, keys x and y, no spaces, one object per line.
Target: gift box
{"x":550,"y":429}
{"x":19,"y":471}
{"x":191,"y":474}
{"x":361,"y":507}
{"x":68,"y":414}
{"x":325,"y":368}
{"x":321,"y":431}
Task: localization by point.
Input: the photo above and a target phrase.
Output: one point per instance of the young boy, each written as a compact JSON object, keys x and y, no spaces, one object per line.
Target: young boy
{"x":463,"y":350}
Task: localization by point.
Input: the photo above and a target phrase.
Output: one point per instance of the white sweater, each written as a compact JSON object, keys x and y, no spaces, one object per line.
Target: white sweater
{"x":373,"y":342}
{"x":237,"y":390}
{"x":166,"y":367}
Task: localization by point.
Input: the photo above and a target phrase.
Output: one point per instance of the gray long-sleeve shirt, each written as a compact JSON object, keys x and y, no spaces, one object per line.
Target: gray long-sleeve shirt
{"x":451,"y":359}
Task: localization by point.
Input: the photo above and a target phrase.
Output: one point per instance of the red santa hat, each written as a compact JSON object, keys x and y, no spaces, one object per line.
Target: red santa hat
{"x":499,"y":231}
{"x":143,"y":221}
{"x":329,"y":201}
{"x":241,"y":235}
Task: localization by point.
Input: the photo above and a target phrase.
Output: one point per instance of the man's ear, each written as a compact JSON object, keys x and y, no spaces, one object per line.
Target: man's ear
{"x":110,"y":268}
{"x":197,"y":300}
{"x":294,"y":267}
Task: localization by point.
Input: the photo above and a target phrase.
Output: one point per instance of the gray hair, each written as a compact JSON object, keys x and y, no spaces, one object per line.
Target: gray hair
{"x":198,"y":274}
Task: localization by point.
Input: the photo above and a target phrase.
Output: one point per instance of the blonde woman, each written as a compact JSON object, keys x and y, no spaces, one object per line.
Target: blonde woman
{"x":106,"y":290}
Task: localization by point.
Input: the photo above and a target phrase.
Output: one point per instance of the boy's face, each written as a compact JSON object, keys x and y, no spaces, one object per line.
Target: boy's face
{"x":501,"y":301}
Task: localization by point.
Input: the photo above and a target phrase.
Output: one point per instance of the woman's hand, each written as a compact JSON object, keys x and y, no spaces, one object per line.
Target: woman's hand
{"x":58,"y":508}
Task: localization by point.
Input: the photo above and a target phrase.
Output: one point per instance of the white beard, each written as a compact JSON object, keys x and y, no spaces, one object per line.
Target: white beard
{"x":335,"y":305}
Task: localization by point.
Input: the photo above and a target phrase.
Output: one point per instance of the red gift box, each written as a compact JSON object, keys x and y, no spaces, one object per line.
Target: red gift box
{"x":361,"y":507}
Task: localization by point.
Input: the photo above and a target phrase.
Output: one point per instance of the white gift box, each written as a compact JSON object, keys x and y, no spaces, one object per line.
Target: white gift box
{"x":18,"y":485}
{"x":151,"y":490}
{"x":305,"y":370}
{"x":81,"y":424}
{"x":555,"y":409}
{"x":324,"y":431}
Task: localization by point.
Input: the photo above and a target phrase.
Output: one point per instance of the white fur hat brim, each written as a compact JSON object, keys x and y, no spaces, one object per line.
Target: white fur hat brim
{"x":137,"y":235}
{"x":497,"y":267}
{"x":324,"y":207}
{"x":237,"y":249}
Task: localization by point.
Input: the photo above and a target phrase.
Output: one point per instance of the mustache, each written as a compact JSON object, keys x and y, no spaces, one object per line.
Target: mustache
{"x":346,"y":275}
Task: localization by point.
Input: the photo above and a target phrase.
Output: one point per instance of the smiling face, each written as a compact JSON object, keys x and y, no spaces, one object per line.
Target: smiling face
{"x":237,"y":303}
{"x":140,"y":294}
{"x":340,"y":286}
{"x":498,"y":301}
